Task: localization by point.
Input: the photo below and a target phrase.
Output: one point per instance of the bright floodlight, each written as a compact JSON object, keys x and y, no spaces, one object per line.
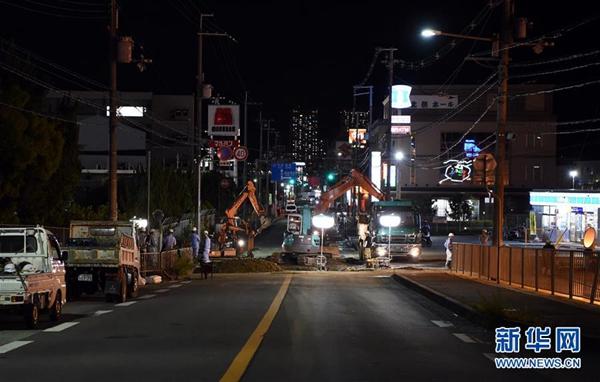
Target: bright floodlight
{"x":573,"y":173}
{"x":323,"y":221}
{"x":429,"y":32}
{"x":389,"y":220}
{"x":399,"y":155}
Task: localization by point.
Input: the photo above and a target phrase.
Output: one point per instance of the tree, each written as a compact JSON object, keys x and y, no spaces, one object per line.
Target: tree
{"x":32,"y":148}
{"x":424,"y":206}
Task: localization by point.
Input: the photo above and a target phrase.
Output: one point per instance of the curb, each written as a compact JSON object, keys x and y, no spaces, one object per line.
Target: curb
{"x":470,"y":313}
{"x":446,"y":301}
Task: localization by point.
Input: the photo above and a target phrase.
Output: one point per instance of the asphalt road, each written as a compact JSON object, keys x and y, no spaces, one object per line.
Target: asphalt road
{"x":332,"y":326}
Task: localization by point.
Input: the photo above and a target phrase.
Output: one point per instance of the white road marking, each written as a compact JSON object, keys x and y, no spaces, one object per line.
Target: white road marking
{"x":128,"y":303}
{"x":381,"y":277}
{"x":464,"y":338}
{"x":162,"y":290}
{"x":175,"y":286}
{"x":61,"y":327}
{"x":147,"y":296}
{"x":186,"y":282}
{"x":101,"y":312}
{"x":490,"y":356}
{"x":12,"y":346}
{"x":443,"y":324}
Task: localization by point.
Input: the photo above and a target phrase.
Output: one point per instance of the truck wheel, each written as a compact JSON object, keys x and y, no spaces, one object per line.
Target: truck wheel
{"x":122,"y":296}
{"x":56,"y":309}
{"x":32,"y":316}
{"x":132,"y":291}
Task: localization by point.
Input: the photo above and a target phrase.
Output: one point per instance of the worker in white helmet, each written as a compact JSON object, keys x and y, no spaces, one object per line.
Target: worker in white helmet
{"x":448,"y":245}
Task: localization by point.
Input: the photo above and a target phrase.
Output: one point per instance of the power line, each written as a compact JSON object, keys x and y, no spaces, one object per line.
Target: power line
{"x":569,"y":87}
{"x":57,"y":7}
{"x":555,"y":60}
{"x":462,"y":106}
{"x":54,"y":14}
{"x":563,"y":70}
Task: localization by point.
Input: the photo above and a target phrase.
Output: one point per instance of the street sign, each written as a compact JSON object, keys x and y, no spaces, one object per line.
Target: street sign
{"x":400,"y":130}
{"x":281,"y":171}
{"x":240,"y":153}
{"x":225,"y":153}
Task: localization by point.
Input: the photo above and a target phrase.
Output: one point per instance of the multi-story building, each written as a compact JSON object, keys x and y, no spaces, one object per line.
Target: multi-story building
{"x":306,"y":145}
{"x":354,"y":124}
{"x":437,"y":139}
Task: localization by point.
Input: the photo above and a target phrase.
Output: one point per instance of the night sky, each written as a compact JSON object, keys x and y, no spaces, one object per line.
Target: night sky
{"x":301,"y":53}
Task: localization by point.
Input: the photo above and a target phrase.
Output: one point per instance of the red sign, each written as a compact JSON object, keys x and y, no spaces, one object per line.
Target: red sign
{"x":241,"y":153}
{"x":223,"y":116}
{"x":223,"y":143}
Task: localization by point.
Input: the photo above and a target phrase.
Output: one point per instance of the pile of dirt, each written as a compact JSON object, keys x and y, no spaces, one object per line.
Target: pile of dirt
{"x":246,"y":266}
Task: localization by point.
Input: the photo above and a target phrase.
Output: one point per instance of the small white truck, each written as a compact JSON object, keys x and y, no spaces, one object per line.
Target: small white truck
{"x":32,"y":274}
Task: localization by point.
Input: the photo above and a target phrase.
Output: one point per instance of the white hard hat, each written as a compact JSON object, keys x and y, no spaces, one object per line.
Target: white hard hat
{"x":194,"y":229}
{"x":10,"y":268}
{"x":450,"y":234}
{"x":170,"y":230}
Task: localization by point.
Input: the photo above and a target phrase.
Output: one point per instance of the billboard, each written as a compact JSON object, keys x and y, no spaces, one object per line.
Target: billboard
{"x":434,"y":101}
{"x":357,"y":136}
{"x":224,"y":120}
{"x":401,"y":96}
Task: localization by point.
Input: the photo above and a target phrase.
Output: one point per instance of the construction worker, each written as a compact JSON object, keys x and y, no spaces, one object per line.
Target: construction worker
{"x":169,"y":242}
{"x":195,"y":243}
{"x":152,"y":241}
{"x":448,"y":245}
{"x":207,"y":248}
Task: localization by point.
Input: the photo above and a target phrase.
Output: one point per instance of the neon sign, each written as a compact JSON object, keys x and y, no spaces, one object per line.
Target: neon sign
{"x":457,"y":171}
{"x":471,"y":149}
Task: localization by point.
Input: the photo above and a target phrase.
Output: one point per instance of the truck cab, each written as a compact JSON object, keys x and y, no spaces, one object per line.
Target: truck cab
{"x":403,"y":240}
{"x":32,"y":274}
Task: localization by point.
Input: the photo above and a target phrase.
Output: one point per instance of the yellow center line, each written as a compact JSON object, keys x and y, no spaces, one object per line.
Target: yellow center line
{"x":241,"y":361}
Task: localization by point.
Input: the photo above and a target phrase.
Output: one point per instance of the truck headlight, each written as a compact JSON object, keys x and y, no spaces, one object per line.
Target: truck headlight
{"x":380,"y":251}
{"x":415,"y":251}
{"x":241,"y":243}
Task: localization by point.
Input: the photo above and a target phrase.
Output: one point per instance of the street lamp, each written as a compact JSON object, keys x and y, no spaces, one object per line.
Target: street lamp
{"x":323,"y":222}
{"x":429,"y":33}
{"x":389,"y":221}
{"x":573,"y":174}
{"x":399,"y":155}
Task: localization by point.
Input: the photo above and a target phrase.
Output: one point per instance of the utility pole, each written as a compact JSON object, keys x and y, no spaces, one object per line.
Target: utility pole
{"x":245,"y":173}
{"x":502,"y":116}
{"x":198,"y":94}
{"x":112,"y":123}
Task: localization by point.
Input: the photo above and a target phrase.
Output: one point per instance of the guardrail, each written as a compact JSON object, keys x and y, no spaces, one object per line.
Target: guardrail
{"x":162,"y":262}
{"x":569,"y":273}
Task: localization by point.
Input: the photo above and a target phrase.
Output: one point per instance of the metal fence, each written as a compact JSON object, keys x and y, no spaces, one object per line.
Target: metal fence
{"x":162,"y":262}
{"x":569,"y":273}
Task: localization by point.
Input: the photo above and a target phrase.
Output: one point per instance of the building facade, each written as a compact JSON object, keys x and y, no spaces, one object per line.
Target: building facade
{"x":306,"y":145}
{"x":435,"y":142}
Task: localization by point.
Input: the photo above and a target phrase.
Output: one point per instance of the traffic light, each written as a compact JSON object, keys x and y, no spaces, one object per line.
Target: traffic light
{"x":292,"y":181}
{"x":331,"y":176}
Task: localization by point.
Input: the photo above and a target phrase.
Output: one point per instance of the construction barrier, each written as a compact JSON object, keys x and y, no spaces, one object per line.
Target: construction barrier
{"x":564,"y":272}
{"x":162,"y":262}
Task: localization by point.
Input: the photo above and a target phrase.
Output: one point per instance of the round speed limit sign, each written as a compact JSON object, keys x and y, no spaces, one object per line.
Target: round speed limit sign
{"x":241,"y":153}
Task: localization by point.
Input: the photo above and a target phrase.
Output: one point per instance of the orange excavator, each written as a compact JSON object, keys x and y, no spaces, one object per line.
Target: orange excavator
{"x":235,"y":225}
{"x":355,"y":179}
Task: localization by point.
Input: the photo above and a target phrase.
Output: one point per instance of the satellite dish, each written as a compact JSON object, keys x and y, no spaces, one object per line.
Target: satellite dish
{"x":589,"y":239}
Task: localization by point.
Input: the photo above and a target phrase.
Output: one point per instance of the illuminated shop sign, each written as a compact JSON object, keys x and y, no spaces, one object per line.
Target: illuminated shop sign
{"x":457,"y":171}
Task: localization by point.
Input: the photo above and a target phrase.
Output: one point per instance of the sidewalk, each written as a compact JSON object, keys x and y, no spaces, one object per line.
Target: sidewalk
{"x":493,"y":305}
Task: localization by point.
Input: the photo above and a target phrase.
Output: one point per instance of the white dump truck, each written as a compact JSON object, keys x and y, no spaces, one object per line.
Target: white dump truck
{"x":32,"y":274}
